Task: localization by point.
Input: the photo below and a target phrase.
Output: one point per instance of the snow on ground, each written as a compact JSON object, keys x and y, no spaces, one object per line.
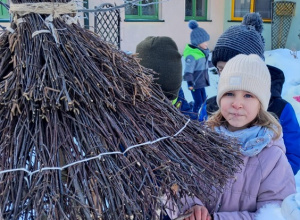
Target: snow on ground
{"x":285,"y":60}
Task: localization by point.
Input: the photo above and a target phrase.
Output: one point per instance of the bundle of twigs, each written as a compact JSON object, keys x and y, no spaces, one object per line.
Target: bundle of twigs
{"x":72,"y":110}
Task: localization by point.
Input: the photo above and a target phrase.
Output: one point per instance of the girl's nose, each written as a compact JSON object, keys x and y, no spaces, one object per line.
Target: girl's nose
{"x":237,"y":103}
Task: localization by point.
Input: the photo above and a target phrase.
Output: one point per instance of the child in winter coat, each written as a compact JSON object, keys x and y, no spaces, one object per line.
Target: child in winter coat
{"x":196,"y":65}
{"x":247,"y":39}
{"x":161,"y":54}
{"x":266,"y":176}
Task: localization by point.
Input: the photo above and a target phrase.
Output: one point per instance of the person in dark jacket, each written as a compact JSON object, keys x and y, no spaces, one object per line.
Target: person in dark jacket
{"x":160,"y":53}
{"x":247,"y":39}
{"x":196,"y":65}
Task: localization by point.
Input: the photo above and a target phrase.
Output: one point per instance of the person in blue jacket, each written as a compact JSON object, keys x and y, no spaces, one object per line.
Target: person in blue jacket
{"x":247,"y":39}
{"x":196,"y":65}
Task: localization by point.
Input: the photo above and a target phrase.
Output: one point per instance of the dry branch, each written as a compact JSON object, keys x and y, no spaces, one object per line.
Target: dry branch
{"x":66,"y":95}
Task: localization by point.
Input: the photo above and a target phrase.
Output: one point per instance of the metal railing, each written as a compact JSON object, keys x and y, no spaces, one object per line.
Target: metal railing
{"x":283,"y":12}
{"x":107,"y":23}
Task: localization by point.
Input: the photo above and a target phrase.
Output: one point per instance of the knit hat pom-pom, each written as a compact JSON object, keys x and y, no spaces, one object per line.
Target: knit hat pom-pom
{"x":253,"y":19}
{"x":193,"y":24}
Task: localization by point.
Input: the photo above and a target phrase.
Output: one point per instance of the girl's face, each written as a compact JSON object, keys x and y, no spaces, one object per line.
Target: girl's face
{"x":239,"y":108}
{"x":204,"y":45}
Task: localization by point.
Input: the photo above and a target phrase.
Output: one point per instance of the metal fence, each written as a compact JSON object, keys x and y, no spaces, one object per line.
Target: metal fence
{"x":107,"y":23}
{"x":283,"y":12}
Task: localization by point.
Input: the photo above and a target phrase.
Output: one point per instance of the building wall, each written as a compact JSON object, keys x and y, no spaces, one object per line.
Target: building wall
{"x":173,"y":25}
{"x":5,"y":24}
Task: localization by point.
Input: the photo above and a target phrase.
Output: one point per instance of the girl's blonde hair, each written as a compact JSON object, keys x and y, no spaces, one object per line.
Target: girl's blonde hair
{"x":264,"y":119}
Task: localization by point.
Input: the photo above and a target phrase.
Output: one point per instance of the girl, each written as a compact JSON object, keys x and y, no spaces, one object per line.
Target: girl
{"x":266,"y":176}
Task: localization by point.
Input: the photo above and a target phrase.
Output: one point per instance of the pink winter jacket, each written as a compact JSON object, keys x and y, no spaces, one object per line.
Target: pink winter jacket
{"x":265,"y":178}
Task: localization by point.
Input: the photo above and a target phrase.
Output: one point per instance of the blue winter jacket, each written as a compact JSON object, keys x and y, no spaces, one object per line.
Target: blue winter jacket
{"x":196,"y":67}
{"x":287,"y":118}
{"x":283,"y":110}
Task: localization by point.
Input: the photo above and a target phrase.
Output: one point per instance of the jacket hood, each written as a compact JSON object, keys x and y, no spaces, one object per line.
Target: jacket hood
{"x":277,"y":80}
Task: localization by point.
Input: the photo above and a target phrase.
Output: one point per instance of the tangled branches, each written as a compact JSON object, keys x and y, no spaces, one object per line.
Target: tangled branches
{"x":65,"y":95}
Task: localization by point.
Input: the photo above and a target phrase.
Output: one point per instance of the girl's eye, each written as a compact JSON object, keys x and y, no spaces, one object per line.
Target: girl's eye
{"x":248,"y":96}
{"x":229,"y":94}
{"x":219,"y":70}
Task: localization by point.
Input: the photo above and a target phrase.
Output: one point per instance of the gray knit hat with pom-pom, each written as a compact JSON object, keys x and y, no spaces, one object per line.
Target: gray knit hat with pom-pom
{"x":241,"y":39}
{"x":198,"y":34}
{"x":255,"y":20}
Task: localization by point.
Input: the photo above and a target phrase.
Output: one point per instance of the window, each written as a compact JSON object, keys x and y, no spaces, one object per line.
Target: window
{"x":4,"y":13}
{"x":241,"y":7}
{"x":144,"y":10}
{"x":196,"y":10}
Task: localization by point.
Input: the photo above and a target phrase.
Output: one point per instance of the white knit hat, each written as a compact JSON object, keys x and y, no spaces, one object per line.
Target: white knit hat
{"x":248,"y":73}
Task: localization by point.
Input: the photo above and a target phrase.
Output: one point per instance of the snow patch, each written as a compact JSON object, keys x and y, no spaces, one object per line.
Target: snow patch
{"x":284,"y":60}
{"x":270,"y":211}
